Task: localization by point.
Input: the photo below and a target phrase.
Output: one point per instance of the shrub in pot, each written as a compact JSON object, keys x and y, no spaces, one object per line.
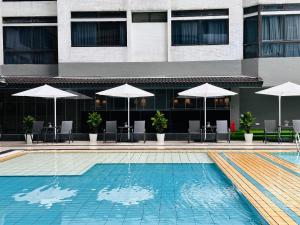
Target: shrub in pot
{"x":160,"y":123}
{"x":246,"y":122}
{"x":28,"y":125}
{"x":94,"y":120}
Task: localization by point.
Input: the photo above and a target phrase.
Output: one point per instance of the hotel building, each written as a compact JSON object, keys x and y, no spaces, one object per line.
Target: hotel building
{"x":162,"y":46}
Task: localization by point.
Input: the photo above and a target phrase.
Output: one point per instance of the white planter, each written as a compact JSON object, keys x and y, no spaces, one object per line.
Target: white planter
{"x":28,"y":139}
{"x":93,"y":138}
{"x":248,"y":138}
{"x":160,"y":138}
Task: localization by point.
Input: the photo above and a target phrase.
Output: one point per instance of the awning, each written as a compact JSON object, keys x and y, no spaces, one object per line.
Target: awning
{"x":163,"y":82}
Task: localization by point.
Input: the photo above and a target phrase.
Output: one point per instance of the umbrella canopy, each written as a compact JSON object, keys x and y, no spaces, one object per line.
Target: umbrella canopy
{"x":78,"y":96}
{"x":126,"y":91}
{"x":46,"y":91}
{"x":282,"y":90}
{"x":206,"y":91}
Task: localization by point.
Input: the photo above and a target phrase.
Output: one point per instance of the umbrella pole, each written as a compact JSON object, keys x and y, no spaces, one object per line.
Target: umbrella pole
{"x":204,"y":118}
{"x":55,"y":118}
{"x":279,"y":112}
{"x":128,"y":118}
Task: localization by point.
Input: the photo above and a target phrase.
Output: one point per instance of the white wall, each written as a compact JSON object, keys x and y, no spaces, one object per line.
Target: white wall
{"x":138,"y":50}
{"x":149,"y":42}
{"x":43,"y":8}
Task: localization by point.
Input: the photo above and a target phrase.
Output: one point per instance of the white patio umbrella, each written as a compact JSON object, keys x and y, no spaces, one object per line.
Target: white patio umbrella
{"x":206,"y":91}
{"x":126,"y":91}
{"x":282,"y":90}
{"x":46,"y":91}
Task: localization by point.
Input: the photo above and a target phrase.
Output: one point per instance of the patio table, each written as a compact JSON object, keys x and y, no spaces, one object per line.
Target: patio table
{"x":286,"y":128}
{"x":210,"y":132}
{"x":47,"y":131}
{"x":122,"y":129}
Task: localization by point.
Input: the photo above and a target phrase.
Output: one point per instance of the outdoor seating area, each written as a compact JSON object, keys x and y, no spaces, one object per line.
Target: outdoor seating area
{"x":217,"y":130}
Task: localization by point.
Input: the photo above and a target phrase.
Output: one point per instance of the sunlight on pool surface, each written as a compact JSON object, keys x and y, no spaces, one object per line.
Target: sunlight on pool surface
{"x":46,"y":196}
{"x":126,"y":194}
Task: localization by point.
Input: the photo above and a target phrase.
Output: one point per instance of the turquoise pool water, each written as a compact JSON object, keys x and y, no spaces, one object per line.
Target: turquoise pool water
{"x":126,"y":194}
{"x":292,"y":157}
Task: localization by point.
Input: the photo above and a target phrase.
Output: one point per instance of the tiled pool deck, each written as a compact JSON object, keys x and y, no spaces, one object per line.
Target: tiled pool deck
{"x":271,"y":184}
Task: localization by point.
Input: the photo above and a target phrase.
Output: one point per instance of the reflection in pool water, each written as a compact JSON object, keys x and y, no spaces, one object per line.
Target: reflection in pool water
{"x":197,"y":195}
{"x":151,"y":194}
{"x":46,"y":196}
{"x":131,"y":195}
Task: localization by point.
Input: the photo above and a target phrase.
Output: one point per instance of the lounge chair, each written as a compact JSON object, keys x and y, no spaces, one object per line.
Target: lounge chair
{"x":194,"y":129}
{"x":139,"y":130}
{"x":110,"y":129}
{"x":271,"y":128}
{"x":65,"y":131}
{"x":222,"y":130}
{"x":37,"y":130}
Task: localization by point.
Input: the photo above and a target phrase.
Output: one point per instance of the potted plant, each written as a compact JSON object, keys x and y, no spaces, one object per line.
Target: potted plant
{"x":28,"y":125}
{"x":94,"y":120}
{"x":246,"y":122}
{"x":160,"y":123}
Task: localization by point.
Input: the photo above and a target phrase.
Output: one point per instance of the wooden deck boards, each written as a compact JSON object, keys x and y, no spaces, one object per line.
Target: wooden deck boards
{"x":283,"y":185}
{"x":289,"y":165}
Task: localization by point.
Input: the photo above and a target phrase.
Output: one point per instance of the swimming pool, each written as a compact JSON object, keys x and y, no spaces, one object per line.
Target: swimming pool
{"x":126,"y":194}
{"x":292,"y":157}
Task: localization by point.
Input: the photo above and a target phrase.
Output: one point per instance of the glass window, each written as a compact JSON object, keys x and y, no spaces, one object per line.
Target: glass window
{"x":99,"y":34}
{"x":280,"y":36}
{"x":104,"y":14}
{"x":251,"y":30}
{"x":148,"y":17}
{"x":40,"y":19}
{"x":30,"y":45}
{"x":206,"y":12}
{"x":200,"y":32}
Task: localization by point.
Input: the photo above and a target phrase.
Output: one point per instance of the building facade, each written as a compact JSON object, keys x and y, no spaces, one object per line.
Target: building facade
{"x":163,"y":46}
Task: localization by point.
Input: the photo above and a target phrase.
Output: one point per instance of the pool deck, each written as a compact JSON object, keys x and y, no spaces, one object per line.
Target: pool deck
{"x":271,"y":185}
{"x":151,"y":145}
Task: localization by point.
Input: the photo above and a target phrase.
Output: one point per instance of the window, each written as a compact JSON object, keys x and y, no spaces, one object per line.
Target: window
{"x":30,"y":45}
{"x":273,"y":35}
{"x":104,"y":14}
{"x":251,"y":37}
{"x":43,"y":19}
{"x":196,"y":13}
{"x":200,"y":32}
{"x":148,"y":17}
{"x":280,"y":36}
{"x":99,"y":34}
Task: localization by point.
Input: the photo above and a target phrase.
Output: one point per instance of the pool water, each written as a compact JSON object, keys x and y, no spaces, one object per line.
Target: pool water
{"x":127,"y":194}
{"x":292,"y":157}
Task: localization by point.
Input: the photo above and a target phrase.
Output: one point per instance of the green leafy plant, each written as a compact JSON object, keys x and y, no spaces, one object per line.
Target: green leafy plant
{"x":94,"y":120}
{"x":246,"y":121}
{"x":159,"y":122}
{"x":28,"y":123}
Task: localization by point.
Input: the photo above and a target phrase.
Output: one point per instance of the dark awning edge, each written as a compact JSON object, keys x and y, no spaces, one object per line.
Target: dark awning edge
{"x":178,"y":82}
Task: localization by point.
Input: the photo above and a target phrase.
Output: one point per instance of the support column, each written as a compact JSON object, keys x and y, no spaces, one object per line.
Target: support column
{"x":235,"y":108}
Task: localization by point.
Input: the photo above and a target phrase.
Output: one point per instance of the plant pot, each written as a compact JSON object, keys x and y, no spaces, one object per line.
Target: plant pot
{"x":248,"y":138}
{"x":93,"y":138}
{"x":28,"y":139}
{"x":160,"y":138}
